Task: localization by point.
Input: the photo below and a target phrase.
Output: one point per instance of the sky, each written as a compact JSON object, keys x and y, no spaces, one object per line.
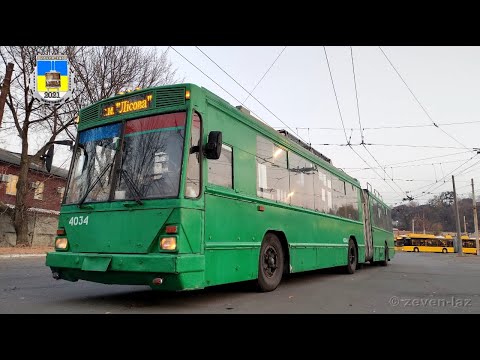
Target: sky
{"x":440,"y":86}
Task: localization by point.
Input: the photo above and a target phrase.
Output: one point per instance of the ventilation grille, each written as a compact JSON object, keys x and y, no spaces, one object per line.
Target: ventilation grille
{"x":89,"y":114}
{"x":170,"y":97}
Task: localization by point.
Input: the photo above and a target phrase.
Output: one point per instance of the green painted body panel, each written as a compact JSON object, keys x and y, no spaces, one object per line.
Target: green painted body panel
{"x":171,"y":282}
{"x":315,"y":240}
{"x":99,"y":263}
{"x":162,"y":263}
{"x":220,"y":233}
{"x":132,"y":269}
{"x":381,"y":237}
{"x":134,"y":231}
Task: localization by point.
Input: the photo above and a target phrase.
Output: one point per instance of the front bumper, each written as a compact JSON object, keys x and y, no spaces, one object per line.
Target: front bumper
{"x":179,"y":272}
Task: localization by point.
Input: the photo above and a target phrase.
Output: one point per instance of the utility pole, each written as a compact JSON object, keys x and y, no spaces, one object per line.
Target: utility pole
{"x":5,"y":89}
{"x":465,"y":225}
{"x":475,"y":219}
{"x":423,"y":221}
{"x":457,"y":220}
{"x":413,"y":226}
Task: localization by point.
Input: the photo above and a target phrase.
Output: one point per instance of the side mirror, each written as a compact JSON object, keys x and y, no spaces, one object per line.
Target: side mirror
{"x":213,"y":147}
{"x":194,"y":149}
{"x":49,"y":158}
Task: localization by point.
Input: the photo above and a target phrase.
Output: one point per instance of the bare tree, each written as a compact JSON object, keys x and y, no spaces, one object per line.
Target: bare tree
{"x":103,"y":71}
{"x":100,"y":72}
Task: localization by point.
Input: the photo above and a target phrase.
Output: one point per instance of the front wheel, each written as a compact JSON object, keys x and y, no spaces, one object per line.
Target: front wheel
{"x":415,"y":249}
{"x":352,"y":258}
{"x":444,"y":250}
{"x":270,"y":264}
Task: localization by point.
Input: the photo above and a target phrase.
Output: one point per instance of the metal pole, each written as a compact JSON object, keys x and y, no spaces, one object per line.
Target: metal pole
{"x":475,"y":219}
{"x":423,"y":221}
{"x":457,"y":220}
{"x":413,"y":226}
{"x":5,"y":89}
{"x":465,"y":225}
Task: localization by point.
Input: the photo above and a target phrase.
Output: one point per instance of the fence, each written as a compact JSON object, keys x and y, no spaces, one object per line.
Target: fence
{"x":42,"y":228}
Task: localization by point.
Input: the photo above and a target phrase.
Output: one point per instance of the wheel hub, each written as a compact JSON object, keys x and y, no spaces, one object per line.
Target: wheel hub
{"x":270,"y":261}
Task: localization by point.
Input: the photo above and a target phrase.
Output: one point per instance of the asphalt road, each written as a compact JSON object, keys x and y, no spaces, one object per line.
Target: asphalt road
{"x":411,"y":283}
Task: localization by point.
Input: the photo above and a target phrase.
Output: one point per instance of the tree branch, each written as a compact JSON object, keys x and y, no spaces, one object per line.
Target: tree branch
{"x":14,"y":114}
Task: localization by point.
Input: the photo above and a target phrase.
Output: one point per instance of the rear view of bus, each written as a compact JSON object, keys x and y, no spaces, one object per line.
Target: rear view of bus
{"x":134,"y":180}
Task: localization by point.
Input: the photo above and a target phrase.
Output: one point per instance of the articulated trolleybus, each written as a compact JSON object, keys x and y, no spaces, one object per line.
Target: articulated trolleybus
{"x":175,"y":188}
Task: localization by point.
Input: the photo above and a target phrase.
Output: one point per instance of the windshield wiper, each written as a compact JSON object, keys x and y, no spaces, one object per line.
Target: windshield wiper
{"x":84,"y":197}
{"x":131,"y":185}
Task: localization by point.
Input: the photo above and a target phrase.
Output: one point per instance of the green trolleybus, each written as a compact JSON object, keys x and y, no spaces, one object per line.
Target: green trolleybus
{"x":175,"y":188}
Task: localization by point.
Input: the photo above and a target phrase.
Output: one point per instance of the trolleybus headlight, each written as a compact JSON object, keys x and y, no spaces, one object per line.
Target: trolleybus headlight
{"x":61,"y":243}
{"x":168,"y":243}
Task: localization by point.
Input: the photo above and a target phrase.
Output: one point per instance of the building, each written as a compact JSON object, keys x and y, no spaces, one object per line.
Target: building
{"x":43,"y":199}
{"x":45,"y":189}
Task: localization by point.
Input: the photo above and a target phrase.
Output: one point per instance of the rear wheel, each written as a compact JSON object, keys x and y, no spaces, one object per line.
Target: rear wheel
{"x":270,"y":264}
{"x":352,"y":258}
{"x":444,"y":250}
{"x":415,"y":249}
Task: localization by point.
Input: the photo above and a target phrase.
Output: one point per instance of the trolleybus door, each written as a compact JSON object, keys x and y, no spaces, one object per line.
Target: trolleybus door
{"x":367,"y":227}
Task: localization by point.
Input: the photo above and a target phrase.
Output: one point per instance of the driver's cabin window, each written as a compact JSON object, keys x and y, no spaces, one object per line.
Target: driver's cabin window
{"x":192,"y":186}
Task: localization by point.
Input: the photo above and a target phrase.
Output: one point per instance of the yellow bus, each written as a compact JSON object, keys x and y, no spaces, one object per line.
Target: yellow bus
{"x":399,"y":240}
{"x":428,"y":243}
{"x":469,"y":245}
{"x":431,"y":243}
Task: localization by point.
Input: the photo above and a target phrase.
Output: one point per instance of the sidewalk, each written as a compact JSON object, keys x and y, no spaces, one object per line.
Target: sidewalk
{"x":19,"y":252}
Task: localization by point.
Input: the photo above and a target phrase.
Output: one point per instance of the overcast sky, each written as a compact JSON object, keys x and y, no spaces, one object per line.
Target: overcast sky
{"x":298,"y":90}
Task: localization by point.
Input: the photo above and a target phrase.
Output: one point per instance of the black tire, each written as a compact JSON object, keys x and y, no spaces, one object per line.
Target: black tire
{"x":386,"y":254}
{"x":271,"y":263}
{"x":352,"y":258}
{"x":444,"y":250}
{"x":415,"y":249}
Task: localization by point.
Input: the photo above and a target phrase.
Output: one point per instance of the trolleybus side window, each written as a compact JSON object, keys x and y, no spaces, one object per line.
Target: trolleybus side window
{"x":272,"y":171}
{"x":220,"y":172}
{"x":302,"y":174}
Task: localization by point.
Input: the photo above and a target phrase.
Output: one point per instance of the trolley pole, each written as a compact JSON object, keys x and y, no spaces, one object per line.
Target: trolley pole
{"x":5,"y":89}
{"x":457,"y":220}
{"x":475,"y":219}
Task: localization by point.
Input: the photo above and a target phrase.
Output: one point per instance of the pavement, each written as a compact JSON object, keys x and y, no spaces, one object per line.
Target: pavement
{"x":412,"y":283}
{"x":24,"y":252}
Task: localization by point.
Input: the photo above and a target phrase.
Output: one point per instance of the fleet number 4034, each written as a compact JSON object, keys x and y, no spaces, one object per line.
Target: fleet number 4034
{"x":78,"y":220}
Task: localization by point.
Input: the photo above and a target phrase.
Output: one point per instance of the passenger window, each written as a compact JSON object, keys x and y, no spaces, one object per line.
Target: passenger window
{"x":272,"y":172}
{"x":220,"y":172}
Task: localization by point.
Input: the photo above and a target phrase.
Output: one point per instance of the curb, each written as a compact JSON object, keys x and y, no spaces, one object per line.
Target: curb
{"x":20,"y":256}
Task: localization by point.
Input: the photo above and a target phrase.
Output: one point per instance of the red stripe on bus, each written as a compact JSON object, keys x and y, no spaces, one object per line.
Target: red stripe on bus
{"x":155,"y":122}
